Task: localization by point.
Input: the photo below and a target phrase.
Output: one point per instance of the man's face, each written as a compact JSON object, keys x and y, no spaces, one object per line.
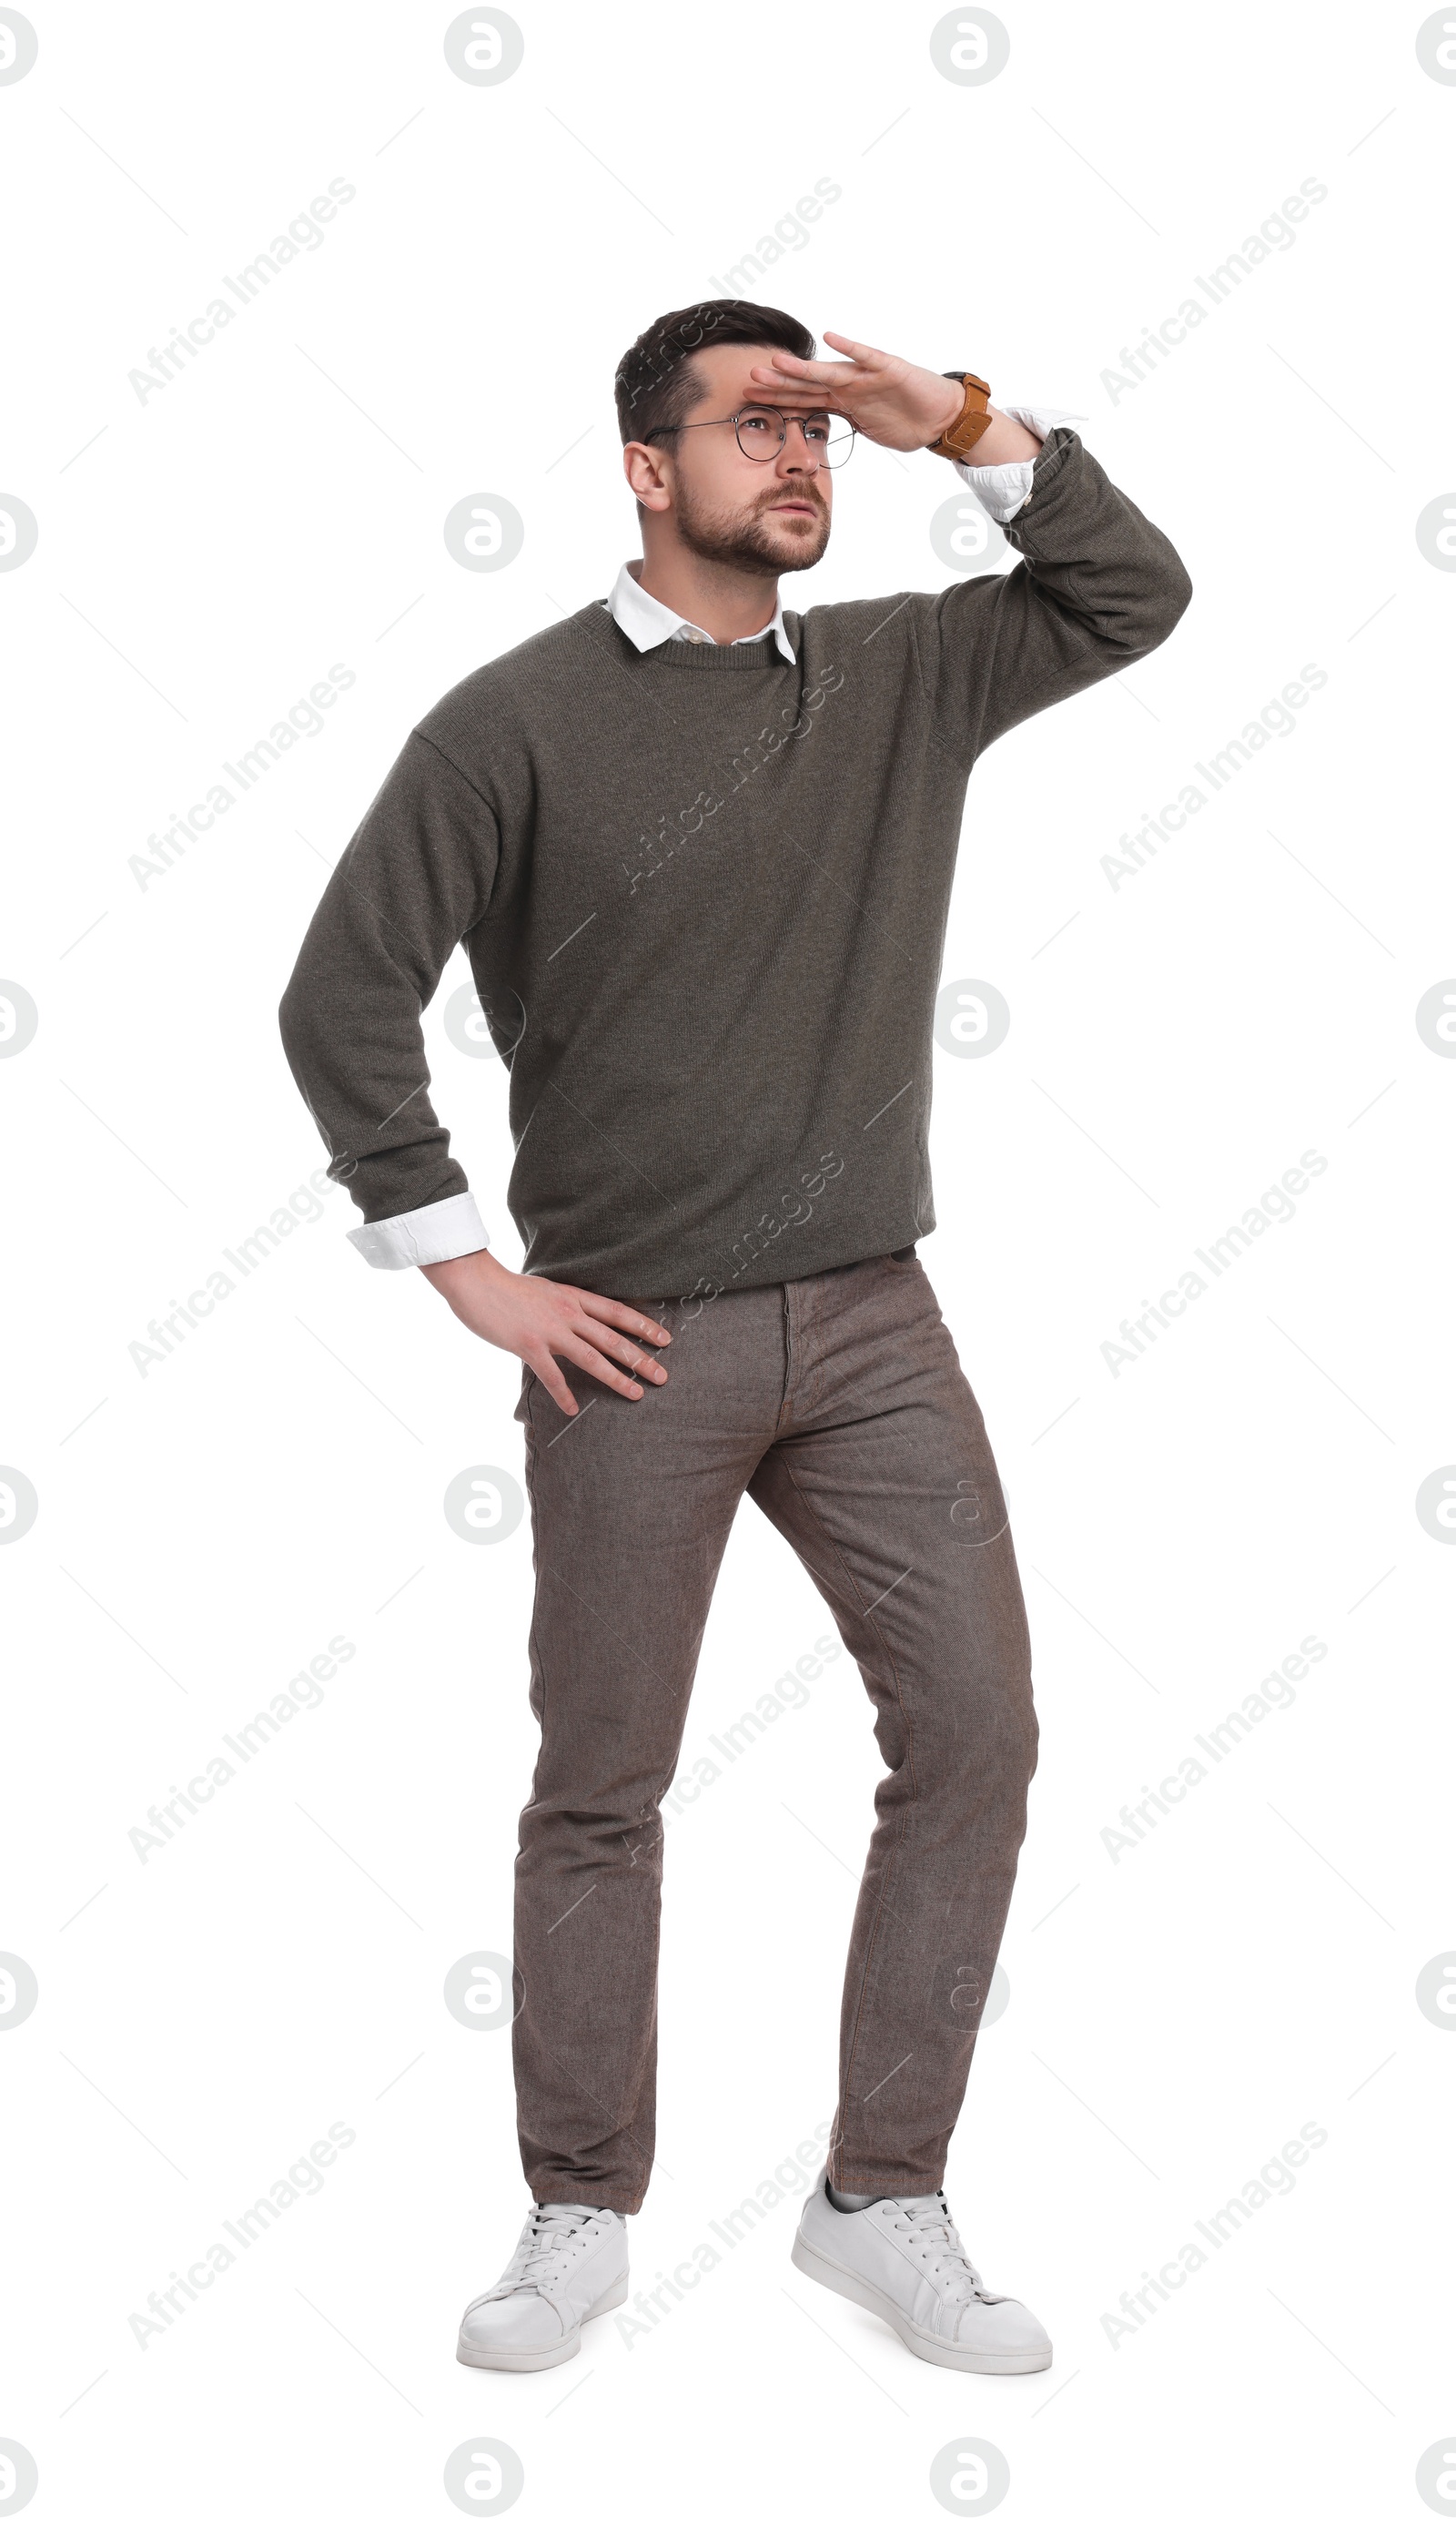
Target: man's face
{"x":769,"y":513}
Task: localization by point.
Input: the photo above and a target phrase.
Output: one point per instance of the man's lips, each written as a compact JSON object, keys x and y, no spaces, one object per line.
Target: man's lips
{"x":794,"y":509}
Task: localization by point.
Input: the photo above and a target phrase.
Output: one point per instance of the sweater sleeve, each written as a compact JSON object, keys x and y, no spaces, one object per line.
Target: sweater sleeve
{"x":414,"y":882}
{"x":1096,"y":587}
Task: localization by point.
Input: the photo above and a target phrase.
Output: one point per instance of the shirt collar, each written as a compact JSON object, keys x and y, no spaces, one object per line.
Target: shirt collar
{"x":648,"y":623}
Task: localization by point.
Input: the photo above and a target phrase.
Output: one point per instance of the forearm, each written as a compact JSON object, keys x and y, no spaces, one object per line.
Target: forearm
{"x":414,"y":880}
{"x":350,"y":1026}
{"x":1008,"y":441}
{"x":463,"y":1274}
{"x":1005,"y":441}
{"x":1096,"y":586}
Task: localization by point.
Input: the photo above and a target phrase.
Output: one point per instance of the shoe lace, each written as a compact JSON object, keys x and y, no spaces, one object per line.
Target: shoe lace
{"x":549,"y":2240}
{"x":935,"y":2236}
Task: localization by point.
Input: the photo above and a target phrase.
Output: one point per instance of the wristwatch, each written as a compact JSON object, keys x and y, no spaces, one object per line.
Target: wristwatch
{"x":973,"y":421}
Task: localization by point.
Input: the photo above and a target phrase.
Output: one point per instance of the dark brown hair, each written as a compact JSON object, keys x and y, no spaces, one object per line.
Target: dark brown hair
{"x":657,"y":383}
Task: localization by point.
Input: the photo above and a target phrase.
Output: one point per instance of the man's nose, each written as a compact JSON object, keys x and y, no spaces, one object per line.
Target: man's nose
{"x":797,"y":454}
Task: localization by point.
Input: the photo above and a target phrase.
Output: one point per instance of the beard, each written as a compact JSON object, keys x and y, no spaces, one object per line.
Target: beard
{"x":758,"y":542}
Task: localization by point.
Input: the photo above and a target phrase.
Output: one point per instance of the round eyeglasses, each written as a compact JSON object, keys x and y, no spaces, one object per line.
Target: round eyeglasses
{"x":761,"y":430}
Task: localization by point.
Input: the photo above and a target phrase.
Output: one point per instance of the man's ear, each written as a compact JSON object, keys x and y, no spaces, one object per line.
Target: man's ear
{"x":648,"y":472}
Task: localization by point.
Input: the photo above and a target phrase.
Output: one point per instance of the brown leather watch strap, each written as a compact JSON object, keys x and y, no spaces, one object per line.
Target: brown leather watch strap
{"x":974,"y":419}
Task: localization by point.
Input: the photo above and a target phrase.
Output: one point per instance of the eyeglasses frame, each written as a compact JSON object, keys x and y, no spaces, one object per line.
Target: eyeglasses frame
{"x":731,"y":419}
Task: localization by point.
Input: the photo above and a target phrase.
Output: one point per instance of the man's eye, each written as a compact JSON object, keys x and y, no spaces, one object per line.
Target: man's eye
{"x":818,"y":431}
{"x":754,"y":420}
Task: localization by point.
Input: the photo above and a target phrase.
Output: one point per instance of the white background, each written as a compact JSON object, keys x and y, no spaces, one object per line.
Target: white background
{"x":204,"y":1529}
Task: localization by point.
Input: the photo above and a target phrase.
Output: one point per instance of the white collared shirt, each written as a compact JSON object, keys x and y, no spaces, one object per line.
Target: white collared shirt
{"x":440,"y":1229}
{"x":648,"y":623}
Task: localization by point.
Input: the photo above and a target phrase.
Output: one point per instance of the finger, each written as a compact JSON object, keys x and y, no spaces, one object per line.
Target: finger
{"x":806,"y":373}
{"x":571,"y":1346}
{"x":618,"y":1346}
{"x":790,"y":395}
{"x":867,"y":356}
{"x":613,"y":1312}
{"x":555,"y":1384}
{"x":840,"y":378}
{"x":804,"y":406}
{"x":786,"y":363}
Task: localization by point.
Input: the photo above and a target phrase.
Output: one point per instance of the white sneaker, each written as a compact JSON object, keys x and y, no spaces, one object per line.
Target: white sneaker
{"x":570,"y":2265}
{"x":904,"y":2262}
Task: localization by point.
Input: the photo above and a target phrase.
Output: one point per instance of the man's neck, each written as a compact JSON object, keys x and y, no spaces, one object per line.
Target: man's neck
{"x":727,"y":602}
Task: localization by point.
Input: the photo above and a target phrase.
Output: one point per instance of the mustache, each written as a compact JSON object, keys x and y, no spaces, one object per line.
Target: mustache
{"x":808,"y":493}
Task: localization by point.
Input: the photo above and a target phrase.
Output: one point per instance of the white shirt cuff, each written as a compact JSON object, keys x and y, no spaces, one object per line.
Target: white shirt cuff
{"x":1002,"y":489}
{"x":434,"y":1234}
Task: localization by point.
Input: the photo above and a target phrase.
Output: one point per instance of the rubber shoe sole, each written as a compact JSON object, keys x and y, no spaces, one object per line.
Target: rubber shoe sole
{"x":925,"y":2346}
{"x":567,"y":2348}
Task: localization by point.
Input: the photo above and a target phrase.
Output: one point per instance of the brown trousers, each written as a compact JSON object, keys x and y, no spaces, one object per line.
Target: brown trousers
{"x":838,"y":1404}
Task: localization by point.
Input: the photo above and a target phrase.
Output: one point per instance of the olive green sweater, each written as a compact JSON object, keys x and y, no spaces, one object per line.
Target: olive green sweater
{"x":704,"y":897}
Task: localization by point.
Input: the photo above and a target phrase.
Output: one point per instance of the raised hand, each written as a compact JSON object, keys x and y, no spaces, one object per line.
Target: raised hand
{"x":890,"y":400}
